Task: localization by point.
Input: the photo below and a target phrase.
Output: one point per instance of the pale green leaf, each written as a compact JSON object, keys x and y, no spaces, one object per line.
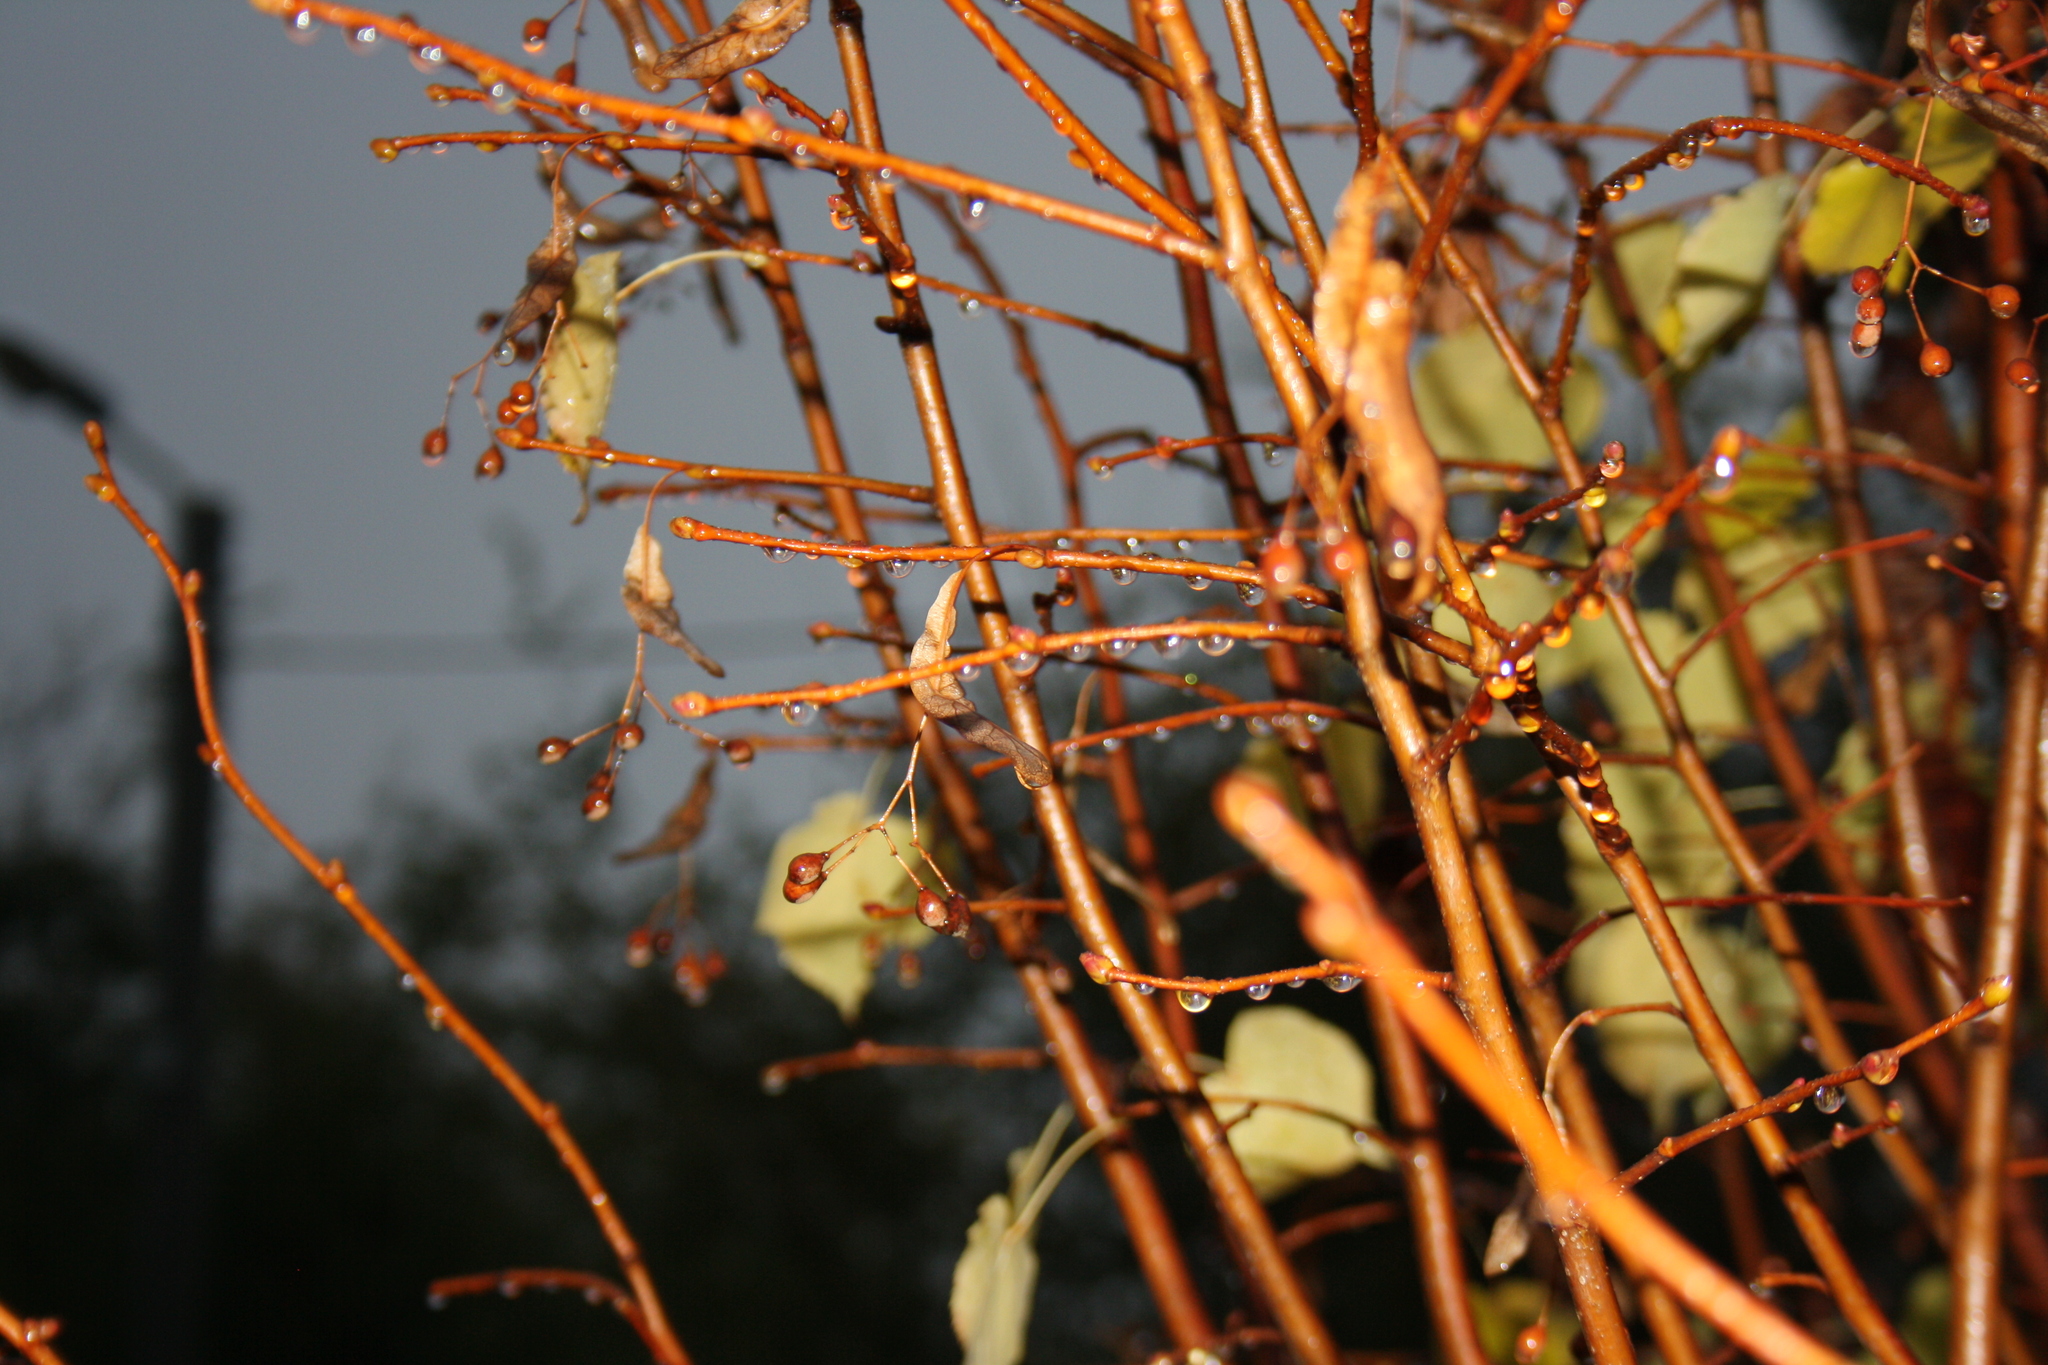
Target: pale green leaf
{"x":1653,"y":1056}
{"x":1722,"y":268}
{"x":1471,"y":409}
{"x":583,"y":355}
{"x":1863,"y":825}
{"x":1799,"y":611}
{"x":992,"y":1287}
{"x":824,"y":941}
{"x":1858,"y":209}
{"x":1278,"y":1052}
{"x":1647,"y":254}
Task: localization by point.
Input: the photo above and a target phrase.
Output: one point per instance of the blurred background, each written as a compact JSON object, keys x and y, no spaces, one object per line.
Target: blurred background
{"x":225,"y":1134}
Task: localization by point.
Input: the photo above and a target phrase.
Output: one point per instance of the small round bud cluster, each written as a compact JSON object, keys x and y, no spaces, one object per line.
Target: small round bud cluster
{"x":948,"y":915}
{"x":806,"y":874}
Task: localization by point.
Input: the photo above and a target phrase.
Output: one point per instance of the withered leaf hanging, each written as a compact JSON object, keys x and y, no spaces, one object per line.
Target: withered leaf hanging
{"x":650,"y":601}
{"x":1364,"y":330}
{"x":685,"y":824}
{"x":548,"y":270}
{"x":753,"y":33}
{"x":943,"y":699}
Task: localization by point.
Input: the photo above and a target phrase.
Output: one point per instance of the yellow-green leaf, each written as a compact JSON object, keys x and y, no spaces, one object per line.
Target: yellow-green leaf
{"x":824,"y":940}
{"x":576,"y":377}
{"x":1858,"y":209}
{"x":1722,"y":268}
{"x":992,"y":1287}
{"x":1471,"y":409}
{"x":1653,"y":1055}
{"x":1278,"y":1052}
{"x":1647,"y":254}
{"x":1800,"y":610}
{"x":993,"y":1280}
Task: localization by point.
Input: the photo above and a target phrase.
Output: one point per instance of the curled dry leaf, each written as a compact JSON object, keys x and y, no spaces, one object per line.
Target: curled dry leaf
{"x":2022,"y":125}
{"x":548,"y":270}
{"x":685,"y":824}
{"x":1512,"y":1230}
{"x":943,"y":698}
{"x":650,"y":601}
{"x":1364,"y":328}
{"x":753,"y":33}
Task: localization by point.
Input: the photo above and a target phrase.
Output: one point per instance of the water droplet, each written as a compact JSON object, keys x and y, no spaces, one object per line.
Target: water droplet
{"x":426,"y":57}
{"x":1194,"y":1002}
{"x":1881,"y":1067}
{"x":774,"y":1081}
{"x":1216,"y":645}
{"x":799,"y":712}
{"x":363,"y":39}
{"x":1719,"y":481}
{"x":1198,"y":582}
{"x":1260,"y":991}
{"x":1829,"y":1100}
{"x":969,"y":672}
{"x":1123,"y":575}
{"x":1341,"y":982}
{"x":1317,"y":722}
{"x":781,"y":554}
{"x":1119,"y":647}
{"x":970,"y":308}
{"x":507,"y":352}
{"x":899,"y":568}
{"x":1976,"y":224}
{"x":1102,"y":469}
{"x":1112,"y":744}
{"x":1995,"y":597}
{"x":976,"y":208}
{"x":1144,"y":987}
{"x":1273,"y":455}
{"x":1170,"y":646}
{"x":301,"y":27}
{"x":1257,"y":726}
{"x":1251,"y":594}
{"x":1160,"y":734}
{"x":1079,"y":652}
{"x":407,"y":983}
{"x":501,"y":97}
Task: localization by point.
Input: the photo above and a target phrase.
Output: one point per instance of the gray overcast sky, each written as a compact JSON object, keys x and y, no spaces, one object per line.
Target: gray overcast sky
{"x":197,"y":224}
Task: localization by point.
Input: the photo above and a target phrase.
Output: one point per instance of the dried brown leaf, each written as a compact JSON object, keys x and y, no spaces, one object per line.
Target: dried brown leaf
{"x":753,"y":33}
{"x":548,"y":270}
{"x":943,"y":699}
{"x":650,"y":601}
{"x":1364,"y":328}
{"x":685,"y":824}
{"x":1511,"y":1235}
